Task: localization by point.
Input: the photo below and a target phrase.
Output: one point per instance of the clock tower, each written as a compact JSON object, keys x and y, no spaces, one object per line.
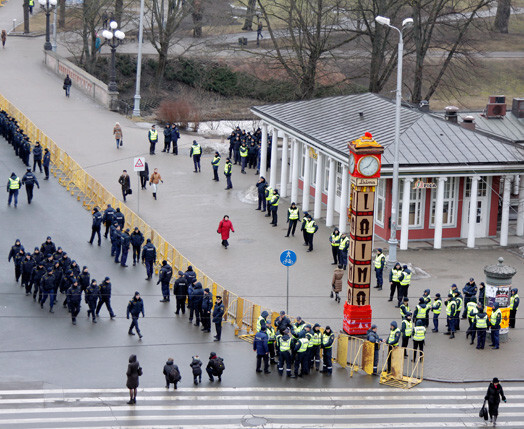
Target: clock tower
{"x":365,"y":161}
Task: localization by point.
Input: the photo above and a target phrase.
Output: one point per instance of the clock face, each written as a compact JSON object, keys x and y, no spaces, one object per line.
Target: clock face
{"x":351,"y":163}
{"x":368,"y":165}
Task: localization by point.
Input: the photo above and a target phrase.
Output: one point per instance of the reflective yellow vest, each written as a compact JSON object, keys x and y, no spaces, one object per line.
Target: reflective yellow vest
{"x":405,"y":281}
{"x":14,"y":183}
{"x":392,"y":335}
{"x":259,"y":322}
{"x":460,"y":303}
{"x":216,"y":161}
{"x":450,"y":308}
{"x":408,"y":327}
{"x":269,"y":195}
{"x":153,"y":135}
{"x":481,"y":322}
{"x":422,"y":312}
{"x":419,"y":333}
{"x":227,"y":168}
{"x":437,"y":306}
{"x":293,"y":213}
{"x":326,"y":339}
{"x":378,"y":260}
{"x":471,"y":309}
{"x":284,"y":345}
{"x":493,"y":319}
{"x":335,"y":240}
{"x":512,"y":301}
{"x":404,"y":310}
{"x":243,"y":151}
{"x":274,"y":201}
{"x":395,"y":275}
{"x":31,"y":2}
{"x":270,"y":333}
{"x":316,"y":339}
{"x":197,"y":150}
{"x":309,"y":337}
{"x":303,"y":345}
{"x":344,"y":243}
{"x":310,"y":226}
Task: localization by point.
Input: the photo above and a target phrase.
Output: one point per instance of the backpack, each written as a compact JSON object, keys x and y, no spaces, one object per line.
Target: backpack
{"x":219,"y":365}
{"x":174,"y":375}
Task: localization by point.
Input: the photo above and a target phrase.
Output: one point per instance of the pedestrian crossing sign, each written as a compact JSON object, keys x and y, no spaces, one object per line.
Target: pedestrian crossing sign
{"x":139,"y":164}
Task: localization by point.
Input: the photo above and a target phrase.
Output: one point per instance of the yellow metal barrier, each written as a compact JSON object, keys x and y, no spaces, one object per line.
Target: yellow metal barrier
{"x":403,"y":368}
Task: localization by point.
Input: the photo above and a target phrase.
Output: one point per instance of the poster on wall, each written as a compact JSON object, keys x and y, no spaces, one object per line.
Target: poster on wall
{"x":500,"y":294}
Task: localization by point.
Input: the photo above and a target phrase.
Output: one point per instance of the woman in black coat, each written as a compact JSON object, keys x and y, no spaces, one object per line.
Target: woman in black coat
{"x":493,"y":396}
{"x":133,"y":372}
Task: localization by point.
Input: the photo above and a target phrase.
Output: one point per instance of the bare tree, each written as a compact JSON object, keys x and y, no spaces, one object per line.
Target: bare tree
{"x":61,"y":13}
{"x":250,"y":14}
{"x":501,"y":23}
{"x":26,"y":16}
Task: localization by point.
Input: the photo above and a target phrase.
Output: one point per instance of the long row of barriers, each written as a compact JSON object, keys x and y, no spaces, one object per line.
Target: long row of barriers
{"x":241,"y":313}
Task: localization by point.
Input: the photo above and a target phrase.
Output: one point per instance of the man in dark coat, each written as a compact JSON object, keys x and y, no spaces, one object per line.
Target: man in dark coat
{"x":92,"y":295}
{"x":125,"y":242}
{"x":47,"y":284}
{"x":207,"y":306}
{"x":175,"y":135}
{"x":149,"y":258}
{"x":27,"y":267}
{"x":144,"y":176}
{"x":215,"y":367}
{"x":470,"y":291}
{"x":260,"y":345}
{"x":137,"y":238}
{"x":95,"y":226}
{"x":48,"y":247}
{"x":198,"y":296}
{"x":108,"y":218}
{"x":29,"y":180}
{"x":105,"y":298}
{"x":218,"y":313}
{"x":74,"y":299}
{"x":164,"y":277}
{"x":134,"y":308}
{"x":180,"y":292}
{"x":47,"y":161}
{"x":37,"y":156}
{"x":261,"y":190}
{"x":171,"y":371}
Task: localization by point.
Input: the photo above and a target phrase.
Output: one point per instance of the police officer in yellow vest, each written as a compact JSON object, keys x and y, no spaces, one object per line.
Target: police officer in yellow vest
{"x":334,"y":239}
{"x":421,"y":312}
{"x":301,"y":355}
{"x":273,"y":203}
{"x":373,"y":337}
{"x":343,"y":251}
{"x":284,"y":345}
{"x":392,"y":341}
{"x":436,"y":308}
{"x":269,"y":196}
{"x":31,"y":6}
{"x":394,"y":281}
{"x":292,"y":218}
{"x":404,"y":282}
{"x":215,"y":163}
{"x":261,"y":321}
{"x":243,"y":157}
{"x":316,"y":340}
{"x":419,"y":335}
{"x":494,"y":322}
{"x":270,"y":331}
{"x":406,"y":329}
{"x":196,"y":152}
{"x":404,"y":308}
{"x":471,"y":312}
{"x":328,"y":337}
{"x":380,"y":263}
{"x":227,"y":172}
{"x":311,"y":228}
{"x":13,"y":185}
{"x":481,"y":326}
{"x":153,"y":139}
{"x":514,"y":302}
{"x":451,"y":309}
{"x":460,"y":305}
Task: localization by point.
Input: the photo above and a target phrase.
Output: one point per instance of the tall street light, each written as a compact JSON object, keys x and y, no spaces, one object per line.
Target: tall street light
{"x":113,"y":38}
{"x":398,"y":98}
{"x":136,"y":107}
{"x":47,"y":6}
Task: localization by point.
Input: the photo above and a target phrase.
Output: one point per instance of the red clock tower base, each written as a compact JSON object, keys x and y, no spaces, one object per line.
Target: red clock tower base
{"x":357,"y":319}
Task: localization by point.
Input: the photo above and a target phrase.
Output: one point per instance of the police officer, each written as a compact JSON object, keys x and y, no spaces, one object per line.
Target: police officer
{"x":394,"y":280}
{"x":18,"y":259}
{"x":421,"y":311}
{"x":494,"y":323}
{"x":406,"y":329}
{"x":436,"y":308}
{"x":105,"y":298}
{"x":270,"y":331}
{"x":207,"y":306}
{"x":471,"y":311}
{"x":107,"y":218}
{"x":153,"y":139}
{"x":274,"y":207}
{"x":27,"y":267}
{"x":301,"y":355}
{"x":451,"y":309}
{"x":227,"y":172}
{"x":137,"y":238}
{"x":119,"y":218}
{"x":404,"y":283}
{"x":92,"y":295}
{"x":115,"y":241}
{"x":404,"y":308}
{"x":149,"y":258}
{"x":175,"y":135}
{"x":261,"y":191}
{"x":48,"y":247}
{"x":134,"y":308}
{"x":392,"y":341}
{"x":419,"y":335}
{"x":74,"y":299}
{"x":268,"y":192}
{"x":470,"y":291}
{"x":46,"y":162}
{"x":481,"y":326}
{"x":29,"y":180}
{"x":514,"y":302}
{"x":215,"y":163}
{"x":13,"y":185}
{"x":95,"y":226}
{"x":180,"y":292}
{"x":373,"y":337}
{"x":164,"y":277}
{"x":284,"y":344}
{"x":37,"y":156}
{"x":47,"y":284}
{"x":460,"y":305}
{"x":36,"y":277}
{"x":380,"y":262}
{"x":196,"y":302}
{"x":293,"y":216}
{"x":261,"y":321}
{"x":260,"y":346}
{"x":243,"y":157}
{"x":125,"y":242}
{"x":311,"y":228}
{"x":334,"y":239}
{"x":167,"y":138}
{"x":196,"y":152}
{"x":328,"y":337}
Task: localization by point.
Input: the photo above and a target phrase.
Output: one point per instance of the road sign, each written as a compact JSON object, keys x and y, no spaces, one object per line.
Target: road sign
{"x":288,"y":258}
{"x":140,"y":164}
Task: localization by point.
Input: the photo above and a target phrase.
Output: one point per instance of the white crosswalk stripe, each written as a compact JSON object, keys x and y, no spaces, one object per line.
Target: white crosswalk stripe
{"x":225,"y":408}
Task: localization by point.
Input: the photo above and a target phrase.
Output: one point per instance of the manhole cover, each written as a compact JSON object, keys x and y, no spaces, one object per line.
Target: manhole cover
{"x":254,"y":421}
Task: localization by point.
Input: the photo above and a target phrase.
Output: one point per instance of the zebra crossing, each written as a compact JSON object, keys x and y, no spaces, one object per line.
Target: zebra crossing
{"x":257,"y":407}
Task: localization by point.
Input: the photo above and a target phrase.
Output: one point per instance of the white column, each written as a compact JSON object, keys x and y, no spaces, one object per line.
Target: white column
{"x":439,"y":213}
{"x":263,"y":150}
{"x":404,"y":227}
{"x":291,"y":158}
{"x":305,"y":190}
{"x":343,"y":217}
{"x":520,"y":215}
{"x":331,"y":191}
{"x":295,"y":168}
{"x":473,"y":211}
{"x":318,"y":187}
{"x":283,"y":170}
{"x":504,"y":222}
{"x":274,"y":159}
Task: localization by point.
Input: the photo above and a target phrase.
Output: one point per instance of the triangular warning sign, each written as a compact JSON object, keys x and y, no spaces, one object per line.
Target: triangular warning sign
{"x":139,"y":163}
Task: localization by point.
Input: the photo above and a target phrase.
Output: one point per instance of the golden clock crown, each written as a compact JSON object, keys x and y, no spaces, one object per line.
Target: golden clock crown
{"x":365,"y":141}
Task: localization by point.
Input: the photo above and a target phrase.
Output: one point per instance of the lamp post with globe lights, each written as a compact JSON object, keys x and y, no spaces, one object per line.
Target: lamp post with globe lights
{"x":47,"y":6}
{"x":113,"y":38}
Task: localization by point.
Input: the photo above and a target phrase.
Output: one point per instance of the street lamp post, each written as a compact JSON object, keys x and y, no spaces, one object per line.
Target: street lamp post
{"x":136,"y":107}
{"x":398,"y":98}
{"x":47,"y":6}
{"x":113,"y":38}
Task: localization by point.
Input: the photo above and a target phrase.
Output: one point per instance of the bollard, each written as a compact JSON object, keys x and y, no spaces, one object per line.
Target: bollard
{"x":14,"y":24}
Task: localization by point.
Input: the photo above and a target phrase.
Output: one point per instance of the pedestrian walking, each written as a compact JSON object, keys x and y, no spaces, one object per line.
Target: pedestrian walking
{"x":153,"y":139}
{"x":13,"y":185}
{"x":259,"y":33}
{"x":196,"y":368}
{"x":4,"y":36}
{"x":215,"y":367}
{"x":215,"y":163}
{"x":96,"y":225}
{"x":373,"y":337}
{"x":125,"y":183}
{"x":134,"y":371}
{"x":224,"y":227}
{"x":155,"y":179}
{"x":196,"y":152}
{"x":105,"y":298}
{"x":67,"y":85}
{"x":334,"y":239}
{"x":494,"y":394}
{"x":514,"y":302}
{"x":116,"y":242}
{"x":117,"y":132}
{"x":74,"y":300}
{"x":207,"y":306}
{"x":29,"y":180}
{"x":171,"y":373}
{"x":46,"y":162}
{"x":137,"y":238}
{"x":144,"y":175}
{"x":227,"y":172}
{"x":37,"y":156}
{"x":167,"y":138}
{"x":218,"y":313}
{"x":92,"y":295}
{"x":26,"y":267}
{"x":134,"y":308}
{"x":180,"y":292}
{"x":164,"y":277}
{"x":293,"y":217}
{"x":336,"y":283}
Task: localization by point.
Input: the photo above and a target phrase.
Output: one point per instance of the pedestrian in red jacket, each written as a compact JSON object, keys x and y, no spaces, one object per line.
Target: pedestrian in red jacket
{"x":224,"y":227}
